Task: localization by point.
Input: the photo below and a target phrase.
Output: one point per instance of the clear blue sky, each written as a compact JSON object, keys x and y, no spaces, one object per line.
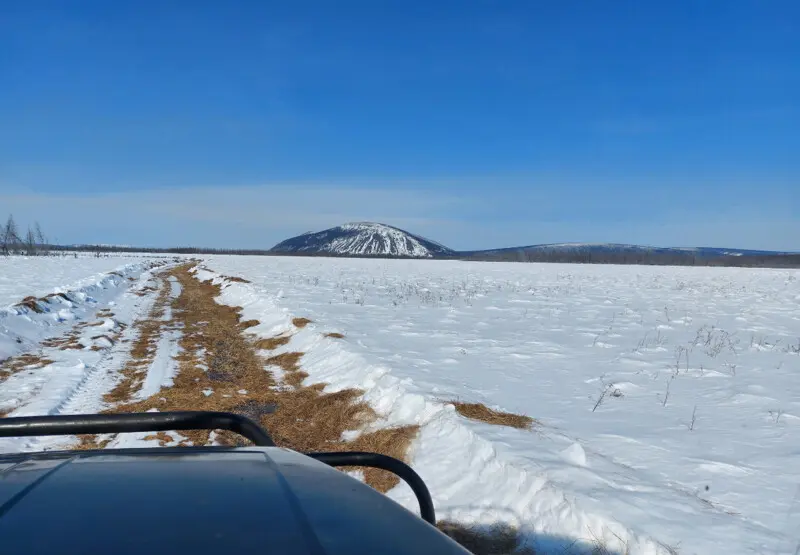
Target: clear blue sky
{"x":479,"y":124}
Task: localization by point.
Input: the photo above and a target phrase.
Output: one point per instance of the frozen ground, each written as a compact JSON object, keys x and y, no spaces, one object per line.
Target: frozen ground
{"x":21,"y":276}
{"x":668,"y":398}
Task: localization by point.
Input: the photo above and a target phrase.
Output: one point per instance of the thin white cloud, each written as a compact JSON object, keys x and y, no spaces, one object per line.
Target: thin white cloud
{"x":470,"y":218}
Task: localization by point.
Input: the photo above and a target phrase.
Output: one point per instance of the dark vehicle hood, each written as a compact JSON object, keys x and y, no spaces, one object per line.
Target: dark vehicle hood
{"x":199,"y":501}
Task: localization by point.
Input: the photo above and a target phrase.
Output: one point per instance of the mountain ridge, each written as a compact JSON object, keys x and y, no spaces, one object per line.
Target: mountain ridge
{"x":377,"y":239}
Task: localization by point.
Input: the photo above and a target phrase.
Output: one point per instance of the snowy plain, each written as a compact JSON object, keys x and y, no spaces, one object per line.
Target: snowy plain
{"x":71,"y":380}
{"x":21,"y":276}
{"x":667,"y":399}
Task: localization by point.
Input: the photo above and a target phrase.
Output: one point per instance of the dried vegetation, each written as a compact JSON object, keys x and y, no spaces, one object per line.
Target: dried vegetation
{"x":220,"y":370}
{"x":478,"y":411}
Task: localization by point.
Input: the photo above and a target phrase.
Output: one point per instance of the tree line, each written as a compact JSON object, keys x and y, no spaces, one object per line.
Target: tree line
{"x":655,"y":257}
{"x":30,"y":243}
{"x":33,"y":242}
{"x":645,"y":257}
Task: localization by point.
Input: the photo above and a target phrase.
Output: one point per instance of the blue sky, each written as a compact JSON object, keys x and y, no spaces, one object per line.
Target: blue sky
{"x":479,"y":124}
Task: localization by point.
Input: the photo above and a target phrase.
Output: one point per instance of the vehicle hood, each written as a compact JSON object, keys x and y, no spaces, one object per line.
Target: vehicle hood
{"x":199,"y":501}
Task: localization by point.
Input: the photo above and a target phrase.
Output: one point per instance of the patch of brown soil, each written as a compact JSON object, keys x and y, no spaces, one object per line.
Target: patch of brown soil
{"x":478,"y":411}
{"x":335,"y":335}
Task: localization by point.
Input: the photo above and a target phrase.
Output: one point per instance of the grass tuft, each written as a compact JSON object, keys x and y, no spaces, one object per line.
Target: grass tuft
{"x":31,"y":303}
{"x":300,"y":322}
{"x":271,"y":343}
{"x":12,"y":365}
{"x":236,"y":279}
{"x":478,"y":411}
{"x":500,"y":539}
{"x":335,"y":335}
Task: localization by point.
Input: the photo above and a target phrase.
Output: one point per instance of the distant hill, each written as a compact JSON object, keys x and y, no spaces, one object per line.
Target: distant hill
{"x":364,"y":239}
{"x":375,"y":239}
{"x":616,"y":248}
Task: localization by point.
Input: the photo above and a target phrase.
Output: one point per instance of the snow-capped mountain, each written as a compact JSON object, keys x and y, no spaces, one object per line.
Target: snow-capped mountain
{"x":364,"y":238}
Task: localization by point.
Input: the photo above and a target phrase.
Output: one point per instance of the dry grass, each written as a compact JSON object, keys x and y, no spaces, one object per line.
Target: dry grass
{"x":300,"y":322}
{"x":164,"y":439}
{"x":31,"y":303}
{"x":48,"y":298}
{"x":335,"y":335}
{"x":18,"y":363}
{"x":478,"y":411}
{"x":90,"y":324}
{"x":271,"y":343}
{"x":500,"y":539}
{"x":108,"y":338}
{"x":69,"y":340}
{"x":236,"y":279}
{"x":298,"y":416}
{"x":249,"y":324}
{"x":145,"y":290}
{"x":142,"y":351}
{"x":88,"y":442}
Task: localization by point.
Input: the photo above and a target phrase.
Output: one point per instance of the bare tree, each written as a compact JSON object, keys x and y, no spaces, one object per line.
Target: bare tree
{"x":9,"y":236}
{"x":40,"y":238}
{"x":30,"y":242}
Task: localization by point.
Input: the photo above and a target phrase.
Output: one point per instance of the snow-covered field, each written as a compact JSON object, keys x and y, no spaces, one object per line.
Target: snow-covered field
{"x":668,"y":399}
{"x":21,"y":276}
{"x":71,"y":379}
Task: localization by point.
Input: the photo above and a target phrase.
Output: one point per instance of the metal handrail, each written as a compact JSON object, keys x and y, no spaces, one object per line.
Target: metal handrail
{"x":383,"y":462}
{"x":74,"y":424}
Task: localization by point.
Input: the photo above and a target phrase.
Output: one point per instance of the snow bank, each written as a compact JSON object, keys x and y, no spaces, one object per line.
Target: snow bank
{"x":25,"y":324}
